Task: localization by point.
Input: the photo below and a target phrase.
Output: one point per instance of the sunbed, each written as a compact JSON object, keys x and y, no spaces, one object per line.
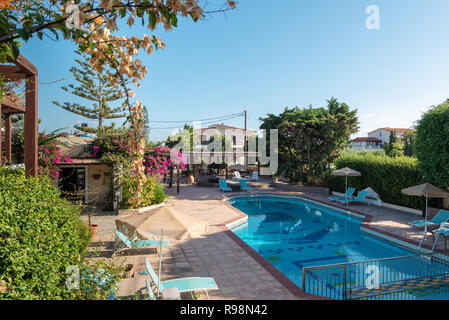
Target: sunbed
{"x":438,"y":219}
{"x":223,"y":185}
{"x":133,"y":244}
{"x":359,"y":199}
{"x":243,"y":185}
{"x":347,"y":195}
{"x":183,"y":284}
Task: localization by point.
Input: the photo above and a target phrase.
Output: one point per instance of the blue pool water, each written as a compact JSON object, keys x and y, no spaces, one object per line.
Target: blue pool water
{"x":292,"y":234}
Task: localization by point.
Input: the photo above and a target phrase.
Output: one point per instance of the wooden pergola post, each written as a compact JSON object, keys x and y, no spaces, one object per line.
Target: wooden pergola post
{"x":8,"y":128}
{"x":23,"y":69}
{"x":30,"y":127}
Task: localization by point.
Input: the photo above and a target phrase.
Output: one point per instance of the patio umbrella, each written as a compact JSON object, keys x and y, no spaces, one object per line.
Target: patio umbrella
{"x":427,"y":190}
{"x":163,"y":223}
{"x":346,"y":172}
{"x":238,"y":167}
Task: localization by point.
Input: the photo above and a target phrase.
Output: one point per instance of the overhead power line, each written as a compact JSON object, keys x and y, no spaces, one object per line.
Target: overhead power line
{"x":207,"y":119}
{"x":203,"y":122}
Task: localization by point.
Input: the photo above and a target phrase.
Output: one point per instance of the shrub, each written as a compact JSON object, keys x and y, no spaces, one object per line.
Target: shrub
{"x":386,"y":175}
{"x":432,"y":145}
{"x":40,"y":235}
{"x":152,"y":189}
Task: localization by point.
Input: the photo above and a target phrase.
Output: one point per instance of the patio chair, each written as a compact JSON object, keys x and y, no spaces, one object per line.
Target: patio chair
{"x":223,"y":185}
{"x":438,"y":219}
{"x":149,"y":290}
{"x":255,"y":176}
{"x":183,"y":284}
{"x":359,"y":199}
{"x":243,"y":185}
{"x":134,"y":244}
{"x":347,"y":195}
{"x":236,"y":176}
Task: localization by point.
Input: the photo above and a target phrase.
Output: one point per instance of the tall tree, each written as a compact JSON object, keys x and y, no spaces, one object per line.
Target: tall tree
{"x":310,"y":138}
{"x":95,"y":87}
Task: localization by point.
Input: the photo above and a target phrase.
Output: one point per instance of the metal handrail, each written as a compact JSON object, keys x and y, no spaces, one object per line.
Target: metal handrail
{"x":338,"y":281}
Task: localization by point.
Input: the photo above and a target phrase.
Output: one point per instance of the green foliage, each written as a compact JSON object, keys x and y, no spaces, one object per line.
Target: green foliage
{"x":386,"y":175}
{"x":184,"y":136}
{"x":94,"y":87}
{"x":220,"y":140}
{"x":409,"y":140}
{"x":394,"y":148}
{"x":311,"y":138}
{"x":40,"y":235}
{"x":432,"y":145}
{"x":99,"y":280}
{"x":112,"y":146}
{"x":152,"y":192}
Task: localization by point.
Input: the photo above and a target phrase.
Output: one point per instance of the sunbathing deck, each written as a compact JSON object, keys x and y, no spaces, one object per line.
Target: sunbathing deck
{"x":239,"y":273}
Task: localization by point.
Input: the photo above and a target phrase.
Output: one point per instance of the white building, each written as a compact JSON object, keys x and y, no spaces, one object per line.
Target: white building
{"x":377,"y":139}
{"x":384,"y":133}
{"x":234,"y":134}
{"x":367,"y":143}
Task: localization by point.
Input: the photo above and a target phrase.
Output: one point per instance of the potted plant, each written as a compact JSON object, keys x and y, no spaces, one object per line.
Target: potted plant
{"x":93,"y":228}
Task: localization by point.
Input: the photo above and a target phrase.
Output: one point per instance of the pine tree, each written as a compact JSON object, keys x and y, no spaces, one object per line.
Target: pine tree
{"x":95,"y":87}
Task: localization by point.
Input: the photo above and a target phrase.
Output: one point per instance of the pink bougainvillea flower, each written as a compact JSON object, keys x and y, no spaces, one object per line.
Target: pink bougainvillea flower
{"x":47,"y":150}
{"x":55,"y":174}
{"x":46,"y":159}
{"x":68,"y":160}
{"x":96,"y":148}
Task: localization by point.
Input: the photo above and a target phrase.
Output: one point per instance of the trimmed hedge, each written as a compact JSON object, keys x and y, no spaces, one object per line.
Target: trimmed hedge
{"x":385,"y":175}
{"x":40,"y":235}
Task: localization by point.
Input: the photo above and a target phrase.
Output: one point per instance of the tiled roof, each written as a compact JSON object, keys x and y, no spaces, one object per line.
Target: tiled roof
{"x":366,"y":139}
{"x":397,"y":130}
{"x":74,"y":147}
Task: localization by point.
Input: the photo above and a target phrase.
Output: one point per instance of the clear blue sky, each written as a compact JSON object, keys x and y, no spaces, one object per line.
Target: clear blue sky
{"x":267,"y":55}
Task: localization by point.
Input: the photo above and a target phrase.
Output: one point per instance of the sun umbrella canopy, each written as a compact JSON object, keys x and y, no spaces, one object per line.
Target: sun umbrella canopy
{"x":238,"y":167}
{"x":427,"y":190}
{"x":175,"y":225}
{"x":346,"y":172}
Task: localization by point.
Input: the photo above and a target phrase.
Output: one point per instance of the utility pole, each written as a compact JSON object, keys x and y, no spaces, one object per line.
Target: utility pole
{"x":245,"y":151}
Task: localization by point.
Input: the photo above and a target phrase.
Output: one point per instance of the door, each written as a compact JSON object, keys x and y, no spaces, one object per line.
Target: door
{"x":72,"y":184}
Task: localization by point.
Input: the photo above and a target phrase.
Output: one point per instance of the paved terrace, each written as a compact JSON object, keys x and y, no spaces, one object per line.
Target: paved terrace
{"x":239,"y":271}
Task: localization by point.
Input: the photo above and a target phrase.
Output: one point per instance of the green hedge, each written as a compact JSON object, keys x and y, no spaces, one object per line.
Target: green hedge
{"x":385,"y":175}
{"x":40,"y":235}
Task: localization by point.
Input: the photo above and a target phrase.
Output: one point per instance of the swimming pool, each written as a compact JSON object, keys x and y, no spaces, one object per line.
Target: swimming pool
{"x":292,"y":234}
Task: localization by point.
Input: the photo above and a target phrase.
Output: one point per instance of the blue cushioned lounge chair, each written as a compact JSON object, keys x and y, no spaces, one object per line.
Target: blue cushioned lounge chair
{"x":149,"y":290}
{"x":347,"y":195}
{"x":243,"y":185}
{"x":360,"y":198}
{"x":134,"y":244}
{"x":183,"y":284}
{"x":439,"y":218}
{"x":223,"y":185}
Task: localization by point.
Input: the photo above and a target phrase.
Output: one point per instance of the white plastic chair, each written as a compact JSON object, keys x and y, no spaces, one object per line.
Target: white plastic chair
{"x":237,"y":176}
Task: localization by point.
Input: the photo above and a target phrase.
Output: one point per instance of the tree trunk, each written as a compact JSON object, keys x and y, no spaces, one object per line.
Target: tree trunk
{"x":100,"y":102}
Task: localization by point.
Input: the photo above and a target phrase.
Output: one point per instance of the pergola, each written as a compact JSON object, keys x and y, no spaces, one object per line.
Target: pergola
{"x":20,"y":69}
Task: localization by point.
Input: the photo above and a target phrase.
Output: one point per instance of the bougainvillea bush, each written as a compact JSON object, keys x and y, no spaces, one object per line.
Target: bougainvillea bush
{"x":112,"y":146}
{"x":49,"y":152}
